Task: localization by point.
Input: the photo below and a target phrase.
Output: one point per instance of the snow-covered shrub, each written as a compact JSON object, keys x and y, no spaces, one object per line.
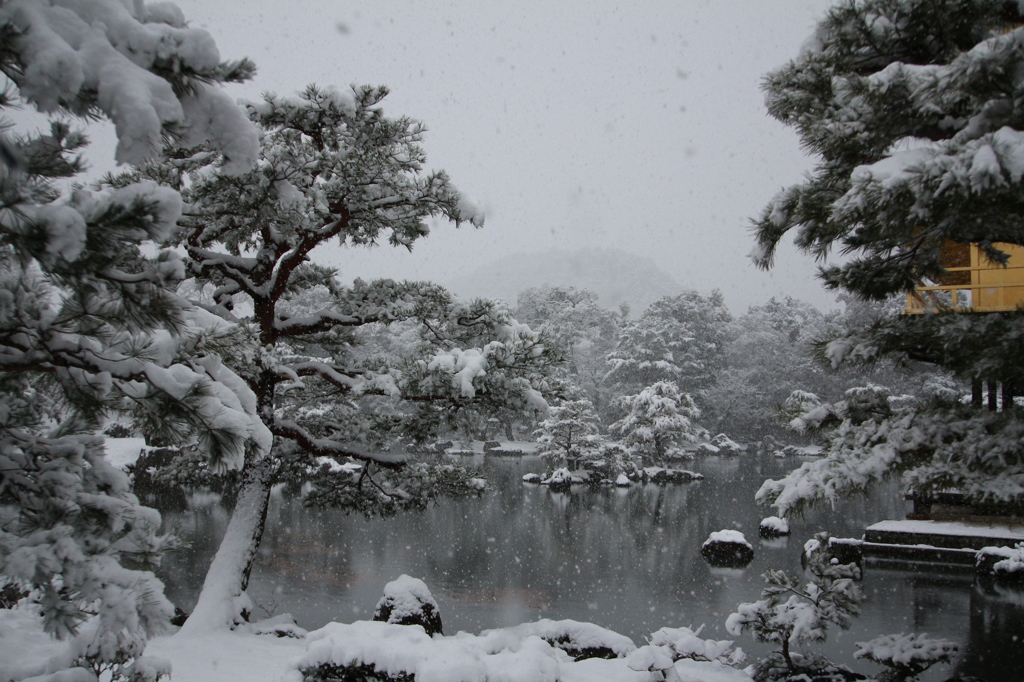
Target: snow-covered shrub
{"x":792,"y":614}
{"x":669,"y":645}
{"x":906,"y":656}
{"x":562,"y":479}
{"x":1004,"y":563}
{"x":407,"y":601}
{"x":528,"y":652}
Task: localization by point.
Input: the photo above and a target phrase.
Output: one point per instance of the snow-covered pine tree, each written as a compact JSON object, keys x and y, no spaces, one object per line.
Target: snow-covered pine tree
{"x":570,"y":431}
{"x":678,"y":338}
{"x":793,"y":614}
{"x":913,"y":110}
{"x":90,"y":326}
{"x":334,"y":169}
{"x":658,"y":421}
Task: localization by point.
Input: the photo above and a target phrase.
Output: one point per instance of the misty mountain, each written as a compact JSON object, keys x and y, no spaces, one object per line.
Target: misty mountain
{"x":615,"y":276}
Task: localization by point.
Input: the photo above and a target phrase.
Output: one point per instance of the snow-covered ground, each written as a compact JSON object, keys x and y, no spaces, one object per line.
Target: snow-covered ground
{"x":518,"y":654}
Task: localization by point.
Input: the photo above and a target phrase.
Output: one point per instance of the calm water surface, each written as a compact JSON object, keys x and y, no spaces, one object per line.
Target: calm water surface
{"x":624,"y":559}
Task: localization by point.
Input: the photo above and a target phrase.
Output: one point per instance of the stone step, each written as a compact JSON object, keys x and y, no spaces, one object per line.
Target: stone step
{"x":953,"y":542}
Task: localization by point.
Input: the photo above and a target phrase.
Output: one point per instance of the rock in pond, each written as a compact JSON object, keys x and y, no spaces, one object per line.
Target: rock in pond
{"x":407,"y":601}
{"x":662,"y":476}
{"x":773,"y":527}
{"x":727,"y":548}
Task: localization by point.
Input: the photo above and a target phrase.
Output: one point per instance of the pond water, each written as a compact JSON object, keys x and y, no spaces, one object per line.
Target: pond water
{"x":626,"y":559}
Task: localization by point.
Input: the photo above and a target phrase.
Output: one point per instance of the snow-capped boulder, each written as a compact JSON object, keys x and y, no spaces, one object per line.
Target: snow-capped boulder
{"x":623,"y":481}
{"x":773,"y":527}
{"x":727,"y":548}
{"x":531,"y":478}
{"x":407,"y":601}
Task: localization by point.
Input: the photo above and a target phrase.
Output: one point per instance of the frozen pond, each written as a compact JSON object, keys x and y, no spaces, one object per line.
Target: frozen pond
{"x":624,"y":559}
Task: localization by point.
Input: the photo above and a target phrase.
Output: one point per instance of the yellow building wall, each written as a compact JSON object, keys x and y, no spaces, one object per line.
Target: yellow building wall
{"x":1006,"y":290}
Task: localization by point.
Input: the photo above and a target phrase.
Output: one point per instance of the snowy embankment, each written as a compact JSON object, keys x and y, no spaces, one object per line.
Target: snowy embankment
{"x":544,"y":650}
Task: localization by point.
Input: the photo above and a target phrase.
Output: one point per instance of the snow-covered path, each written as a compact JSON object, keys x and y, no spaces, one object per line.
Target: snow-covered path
{"x":218,"y":656}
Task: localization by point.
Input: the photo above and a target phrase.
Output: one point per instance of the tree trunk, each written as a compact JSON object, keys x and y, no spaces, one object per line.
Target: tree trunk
{"x":223,"y":599}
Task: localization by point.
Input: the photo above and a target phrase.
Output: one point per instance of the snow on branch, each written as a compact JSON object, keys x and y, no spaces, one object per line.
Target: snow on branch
{"x":325,"y":447}
{"x":148,"y":73}
{"x":871,"y":436}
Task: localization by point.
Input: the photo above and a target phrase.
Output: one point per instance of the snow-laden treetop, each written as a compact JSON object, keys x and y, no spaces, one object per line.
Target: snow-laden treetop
{"x":138,"y":64}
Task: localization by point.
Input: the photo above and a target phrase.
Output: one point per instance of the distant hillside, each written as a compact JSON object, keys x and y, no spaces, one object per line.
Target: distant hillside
{"x":615,"y":276}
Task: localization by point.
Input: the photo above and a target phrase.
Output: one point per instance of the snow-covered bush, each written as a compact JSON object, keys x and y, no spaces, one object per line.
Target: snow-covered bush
{"x":668,"y":646}
{"x":658,"y":420}
{"x":792,"y":614}
{"x":545,"y":650}
{"x":407,"y":601}
{"x":1005,"y":563}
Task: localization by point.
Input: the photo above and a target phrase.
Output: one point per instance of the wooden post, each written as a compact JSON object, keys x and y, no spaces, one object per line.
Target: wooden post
{"x":1008,"y":394}
{"x":993,"y":395}
{"x":976,"y":392}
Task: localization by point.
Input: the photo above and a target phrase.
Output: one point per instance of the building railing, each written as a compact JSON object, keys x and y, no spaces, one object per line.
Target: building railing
{"x":999,"y":295}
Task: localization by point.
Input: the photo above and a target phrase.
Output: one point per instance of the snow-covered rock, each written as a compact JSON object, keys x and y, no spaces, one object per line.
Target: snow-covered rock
{"x":623,"y":481}
{"x":528,"y":652}
{"x":728,"y":548}
{"x":407,"y":601}
{"x":773,"y":527}
{"x":531,"y":478}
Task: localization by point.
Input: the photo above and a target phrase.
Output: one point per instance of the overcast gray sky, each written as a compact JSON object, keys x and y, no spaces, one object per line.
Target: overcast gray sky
{"x":633,"y":125}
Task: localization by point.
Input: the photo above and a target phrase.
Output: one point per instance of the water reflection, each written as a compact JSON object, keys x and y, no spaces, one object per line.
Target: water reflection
{"x":626,"y":559}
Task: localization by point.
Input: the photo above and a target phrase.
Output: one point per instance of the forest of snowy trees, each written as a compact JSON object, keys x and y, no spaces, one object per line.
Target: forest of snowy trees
{"x":180,"y":301}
